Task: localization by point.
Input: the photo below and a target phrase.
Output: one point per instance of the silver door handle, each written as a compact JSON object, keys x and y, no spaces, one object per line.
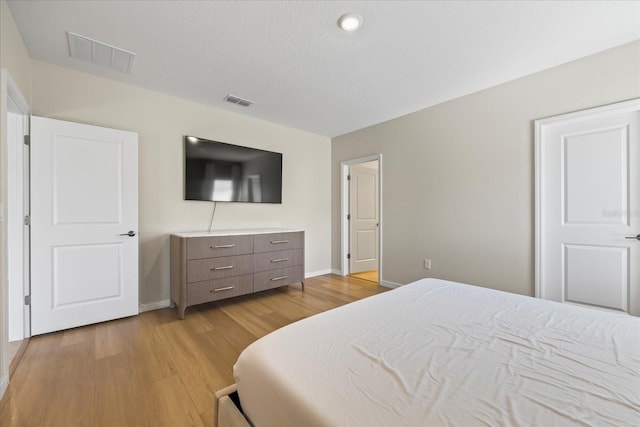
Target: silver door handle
{"x":226,"y":267}
{"x":280,"y":260}
{"x":223,"y":246}
{"x":633,"y":237}
{"x":279,"y":278}
{"x":275,"y":242}
{"x":131,"y":233}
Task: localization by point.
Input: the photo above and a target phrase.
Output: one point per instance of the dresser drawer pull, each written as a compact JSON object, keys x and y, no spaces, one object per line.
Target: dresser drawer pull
{"x":223,"y":246}
{"x":221,"y":289}
{"x":279,"y":278}
{"x":280,"y":260}
{"x":275,"y":242}
{"x":226,"y":267}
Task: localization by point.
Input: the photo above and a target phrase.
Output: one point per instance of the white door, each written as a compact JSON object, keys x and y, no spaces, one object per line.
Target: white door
{"x":363,"y":212}
{"x":84,"y":201}
{"x":588,"y":208}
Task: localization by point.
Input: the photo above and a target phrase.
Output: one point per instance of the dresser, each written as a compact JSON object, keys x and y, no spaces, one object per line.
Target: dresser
{"x":212,"y":266}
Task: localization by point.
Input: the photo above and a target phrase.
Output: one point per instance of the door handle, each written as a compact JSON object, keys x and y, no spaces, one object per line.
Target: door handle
{"x":633,"y":237}
{"x":131,"y":233}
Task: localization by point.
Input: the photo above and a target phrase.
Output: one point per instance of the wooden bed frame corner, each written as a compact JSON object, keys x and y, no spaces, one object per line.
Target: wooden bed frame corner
{"x":228,"y":414}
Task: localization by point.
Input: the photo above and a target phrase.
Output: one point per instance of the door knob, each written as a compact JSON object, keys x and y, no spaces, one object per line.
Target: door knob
{"x":131,"y":233}
{"x":633,"y":237}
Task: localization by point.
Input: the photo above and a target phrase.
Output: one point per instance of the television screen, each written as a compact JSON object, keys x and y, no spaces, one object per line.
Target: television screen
{"x":221,"y":172}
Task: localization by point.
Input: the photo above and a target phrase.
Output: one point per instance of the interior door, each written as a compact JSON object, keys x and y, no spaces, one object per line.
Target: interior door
{"x":363,"y":225}
{"x":84,"y":220}
{"x":589,"y":216}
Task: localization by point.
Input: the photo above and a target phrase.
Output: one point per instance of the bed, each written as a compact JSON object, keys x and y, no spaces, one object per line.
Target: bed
{"x":441,"y":353}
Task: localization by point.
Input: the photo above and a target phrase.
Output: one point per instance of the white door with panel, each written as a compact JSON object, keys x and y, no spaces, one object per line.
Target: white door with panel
{"x":588,"y":208}
{"x":84,"y":221}
{"x":363,"y":211}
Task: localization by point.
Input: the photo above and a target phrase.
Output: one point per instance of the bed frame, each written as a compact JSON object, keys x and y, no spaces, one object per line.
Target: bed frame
{"x":228,"y":409}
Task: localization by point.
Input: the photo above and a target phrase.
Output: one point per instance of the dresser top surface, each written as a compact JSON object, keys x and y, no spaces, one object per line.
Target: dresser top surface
{"x":239,"y":232}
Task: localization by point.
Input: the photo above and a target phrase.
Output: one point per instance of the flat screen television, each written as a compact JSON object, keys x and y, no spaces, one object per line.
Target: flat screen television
{"x":220,"y":172}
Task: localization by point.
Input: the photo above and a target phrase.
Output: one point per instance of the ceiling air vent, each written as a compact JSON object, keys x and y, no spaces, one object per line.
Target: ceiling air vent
{"x":235,"y":100}
{"x":102,"y":54}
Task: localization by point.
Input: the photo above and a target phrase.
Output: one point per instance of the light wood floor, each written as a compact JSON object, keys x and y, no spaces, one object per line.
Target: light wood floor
{"x":153,"y":369}
{"x":371,"y":275}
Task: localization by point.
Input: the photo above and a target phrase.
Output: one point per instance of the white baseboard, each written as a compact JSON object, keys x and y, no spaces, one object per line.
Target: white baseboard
{"x":385,"y":283}
{"x":4,"y":383}
{"x":154,"y":306}
{"x":388,"y":284}
{"x":317,"y":273}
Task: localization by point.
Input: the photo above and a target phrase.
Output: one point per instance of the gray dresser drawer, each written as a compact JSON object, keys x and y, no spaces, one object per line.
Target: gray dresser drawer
{"x":278,"y":241}
{"x":218,"y":268}
{"x":213,"y":290}
{"x":217,"y":246}
{"x":273,"y":260}
{"x":214,"y":266}
{"x":276,"y":278}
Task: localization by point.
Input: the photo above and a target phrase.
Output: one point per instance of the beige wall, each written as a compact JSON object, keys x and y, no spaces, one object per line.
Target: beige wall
{"x":13,"y":53}
{"x":161,"y":121}
{"x":15,"y":58}
{"x":458,"y":177}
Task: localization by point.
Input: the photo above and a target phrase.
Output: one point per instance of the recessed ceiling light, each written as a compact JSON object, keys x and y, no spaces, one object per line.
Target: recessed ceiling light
{"x":350,"y":21}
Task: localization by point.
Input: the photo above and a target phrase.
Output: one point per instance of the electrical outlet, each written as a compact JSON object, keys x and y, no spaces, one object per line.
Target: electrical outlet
{"x":427,"y":264}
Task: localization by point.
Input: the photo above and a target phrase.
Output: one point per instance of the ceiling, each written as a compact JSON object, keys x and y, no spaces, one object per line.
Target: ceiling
{"x":302,"y":71}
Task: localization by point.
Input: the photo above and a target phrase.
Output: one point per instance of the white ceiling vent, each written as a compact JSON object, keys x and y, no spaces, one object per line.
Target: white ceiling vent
{"x":236,"y":100}
{"x":102,"y":54}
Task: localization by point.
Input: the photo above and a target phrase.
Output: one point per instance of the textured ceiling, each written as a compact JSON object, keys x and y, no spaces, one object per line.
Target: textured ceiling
{"x":302,"y":71}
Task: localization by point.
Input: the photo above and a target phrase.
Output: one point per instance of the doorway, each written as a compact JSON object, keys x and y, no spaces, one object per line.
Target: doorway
{"x":361,"y":218}
{"x":14,"y":285}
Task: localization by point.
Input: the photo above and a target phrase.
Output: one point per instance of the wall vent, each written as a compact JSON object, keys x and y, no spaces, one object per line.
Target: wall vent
{"x":237,"y":100}
{"x":102,"y":54}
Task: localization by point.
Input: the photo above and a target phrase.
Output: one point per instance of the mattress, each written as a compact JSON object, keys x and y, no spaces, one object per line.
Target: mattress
{"x":441,"y":353}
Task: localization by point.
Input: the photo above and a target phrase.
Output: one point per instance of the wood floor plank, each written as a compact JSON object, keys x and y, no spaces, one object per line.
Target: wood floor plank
{"x":152,"y":360}
{"x":78,"y":335}
{"x":111,"y":338}
{"x":31,"y":383}
{"x":155,"y":369}
{"x":71,"y":400}
{"x":167,"y":403}
{"x":194,"y":367}
{"x":117,"y":393}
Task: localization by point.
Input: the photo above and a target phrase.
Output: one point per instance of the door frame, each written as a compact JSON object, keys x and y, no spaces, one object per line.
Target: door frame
{"x":8,"y":90}
{"x":344,"y":211}
{"x":540,"y":127}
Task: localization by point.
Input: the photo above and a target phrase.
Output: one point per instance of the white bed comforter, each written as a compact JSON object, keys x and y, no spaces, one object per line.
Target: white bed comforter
{"x":441,"y":353}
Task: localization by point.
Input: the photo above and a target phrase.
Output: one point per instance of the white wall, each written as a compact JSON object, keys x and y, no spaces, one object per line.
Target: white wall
{"x":458,"y":177}
{"x":161,"y":122}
